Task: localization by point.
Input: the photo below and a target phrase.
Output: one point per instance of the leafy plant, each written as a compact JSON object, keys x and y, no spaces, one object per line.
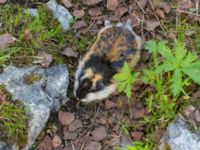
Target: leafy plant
{"x":136,"y":146}
{"x":183,"y":65}
{"x":125,"y":78}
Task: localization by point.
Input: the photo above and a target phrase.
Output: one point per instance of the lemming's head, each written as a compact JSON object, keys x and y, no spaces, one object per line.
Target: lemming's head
{"x":93,"y":81}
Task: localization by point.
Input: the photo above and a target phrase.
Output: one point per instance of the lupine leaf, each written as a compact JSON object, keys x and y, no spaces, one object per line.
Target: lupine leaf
{"x":151,"y":46}
{"x":176,"y":82}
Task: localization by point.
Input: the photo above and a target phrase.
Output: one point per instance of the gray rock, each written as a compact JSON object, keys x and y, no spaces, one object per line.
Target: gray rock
{"x":179,"y":137}
{"x":41,"y":97}
{"x":31,"y":11}
{"x":60,"y":13}
{"x":4,"y":146}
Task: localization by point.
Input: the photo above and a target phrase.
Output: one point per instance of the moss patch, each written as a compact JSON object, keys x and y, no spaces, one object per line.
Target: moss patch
{"x":13,"y":120}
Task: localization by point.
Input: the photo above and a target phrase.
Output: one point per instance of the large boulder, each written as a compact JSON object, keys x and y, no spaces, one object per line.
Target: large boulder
{"x":41,"y":91}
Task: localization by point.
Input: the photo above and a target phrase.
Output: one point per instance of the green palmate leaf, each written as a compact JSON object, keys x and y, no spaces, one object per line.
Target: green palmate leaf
{"x":195,"y":65}
{"x":128,"y":90}
{"x":121,"y":86}
{"x":151,"y":46}
{"x":125,"y":79}
{"x":166,"y":52}
{"x":165,"y":67}
{"x":193,"y":74}
{"x":134,"y":77}
{"x":120,"y":77}
{"x":190,"y":58}
{"x":180,"y":51}
{"x":176,"y":82}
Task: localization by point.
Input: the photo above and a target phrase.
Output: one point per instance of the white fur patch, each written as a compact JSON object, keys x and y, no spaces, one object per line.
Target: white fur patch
{"x":106,"y":92}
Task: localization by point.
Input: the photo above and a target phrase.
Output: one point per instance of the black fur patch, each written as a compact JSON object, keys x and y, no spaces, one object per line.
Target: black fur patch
{"x":84,"y":88}
{"x":101,"y":66}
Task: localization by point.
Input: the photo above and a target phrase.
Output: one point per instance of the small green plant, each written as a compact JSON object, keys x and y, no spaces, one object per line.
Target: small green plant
{"x":125,"y":78}
{"x":136,"y":146}
{"x":180,"y":64}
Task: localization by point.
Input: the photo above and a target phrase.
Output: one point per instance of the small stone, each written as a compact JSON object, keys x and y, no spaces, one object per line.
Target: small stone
{"x":56,"y":141}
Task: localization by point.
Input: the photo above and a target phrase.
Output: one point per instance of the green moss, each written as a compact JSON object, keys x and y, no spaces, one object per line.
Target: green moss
{"x":13,"y":120}
{"x":30,"y":79}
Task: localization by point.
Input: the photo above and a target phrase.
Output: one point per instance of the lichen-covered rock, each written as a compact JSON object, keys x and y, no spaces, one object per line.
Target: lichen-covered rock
{"x":180,"y":137}
{"x":41,"y":90}
{"x":4,"y":146}
{"x":60,"y":13}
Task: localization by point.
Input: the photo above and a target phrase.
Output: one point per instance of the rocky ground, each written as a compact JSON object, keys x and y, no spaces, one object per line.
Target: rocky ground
{"x":107,"y":124}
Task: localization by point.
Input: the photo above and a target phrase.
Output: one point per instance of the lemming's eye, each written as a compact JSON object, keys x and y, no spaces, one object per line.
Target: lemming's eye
{"x":99,"y":85}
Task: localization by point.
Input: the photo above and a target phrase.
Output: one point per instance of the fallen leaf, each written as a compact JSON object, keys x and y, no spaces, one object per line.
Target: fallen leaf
{"x":188,"y":110}
{"x":92,"y":145}
{"x":99,"y":134}
{"x":109,"y":104}
{"x":79,"y":24}
{"x":3,"y":1}
{"x":65,"y":118}
{"x":197,"y":115}
{"x":44,"y":59}
{"x":79,"y":13}
{"x":75,"y":125}
{"x":69,"y":52}
{"x":142,"y":3}
{"x":171,"y":35}
{"x":160,"y":13}
{"x":102,"y":120}
{"x":125,"y":141}
{"x":70,"y":135}
{"x":136,"y":135}
{"x":112,"y":4}
{"x":121,"y":11}
{"x":4,"y":99}
{"x":186,"y":4}
{"x":91,"y":2}
{"x":138,"y":113}
{"x":67,"y":3}
{"x":6,"y":39}
{"x":56,"y":141}
{"x":45,"y":144}
{"x":95,"y":12}
{"x":152,"y":24}
{"x":27,"y":34}
{"x":164,"y":6}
